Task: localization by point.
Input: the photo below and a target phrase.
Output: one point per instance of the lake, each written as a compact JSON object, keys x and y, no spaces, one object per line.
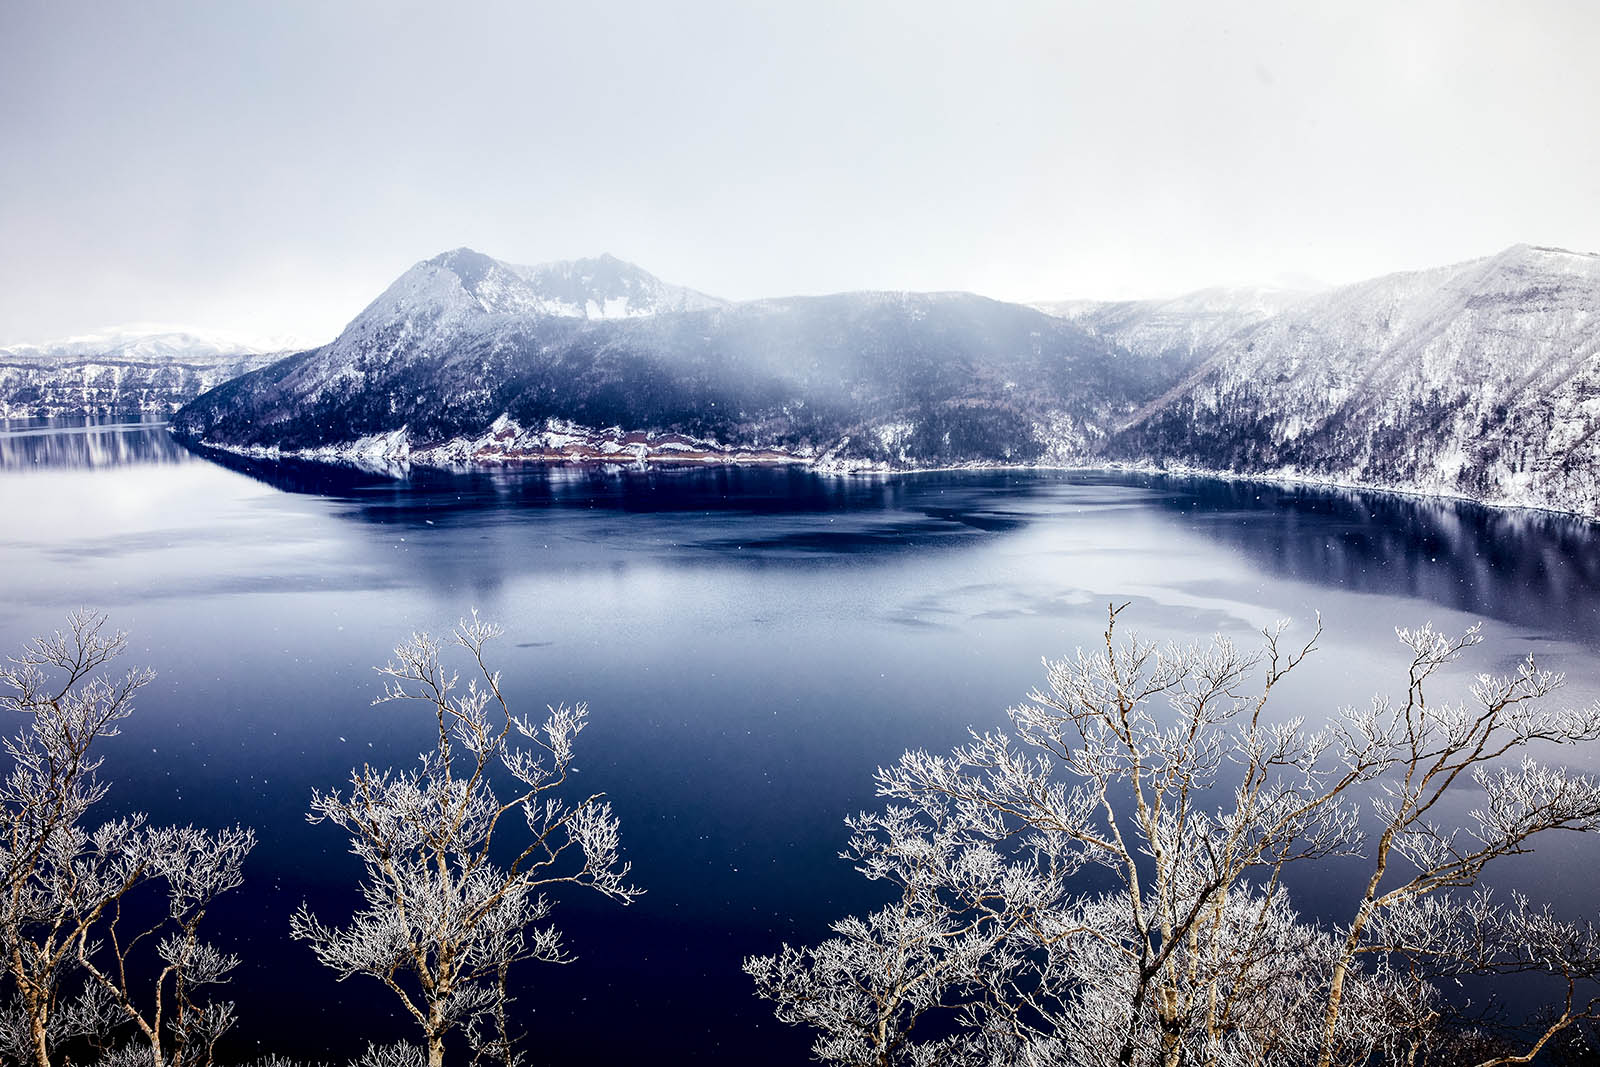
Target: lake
{"x":751,"y":644}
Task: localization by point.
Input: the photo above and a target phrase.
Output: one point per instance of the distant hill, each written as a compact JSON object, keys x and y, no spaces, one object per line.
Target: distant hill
{"x":129,"y":370}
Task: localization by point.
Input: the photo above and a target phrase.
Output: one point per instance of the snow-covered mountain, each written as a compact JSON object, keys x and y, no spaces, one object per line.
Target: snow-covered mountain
{"x":462,"y":285}
{"x":462,"y":340}
{"x":1185,"y":328}
{"x":139,"y":368}
{"x":1480,"y":379}
{"x":152,"y":341}
{"x":608,"y":288}
{"x":436,"y":304}
{"x":444,"y":306}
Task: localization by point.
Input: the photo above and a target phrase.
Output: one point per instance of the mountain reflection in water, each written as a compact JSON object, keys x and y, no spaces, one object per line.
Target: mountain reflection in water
{"x":39,"y":444}
{"x":1521,"y":566}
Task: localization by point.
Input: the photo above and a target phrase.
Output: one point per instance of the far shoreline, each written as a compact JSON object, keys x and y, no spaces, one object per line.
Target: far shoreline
{"x":346,"y":456}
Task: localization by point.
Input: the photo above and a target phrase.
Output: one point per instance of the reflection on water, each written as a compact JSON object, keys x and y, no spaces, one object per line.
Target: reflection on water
{"x":752,"y":642}
{"x":802,"y":514}
{"x":38,"y":444}
{"x":426,"y":493}
{"x":1523,"y":566}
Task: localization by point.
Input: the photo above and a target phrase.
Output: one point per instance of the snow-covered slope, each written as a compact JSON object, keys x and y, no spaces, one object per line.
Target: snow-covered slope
{"x":456,"y":301}
{"x":463,"y":284}
{"x":1184,"y":328}
{"x":1480,"y":379}
{"x":138,"y":368}
{"x":608,"y":288}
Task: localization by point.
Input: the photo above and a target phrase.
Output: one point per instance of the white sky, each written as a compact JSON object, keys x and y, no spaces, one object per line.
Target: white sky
{"x":268,"y":168}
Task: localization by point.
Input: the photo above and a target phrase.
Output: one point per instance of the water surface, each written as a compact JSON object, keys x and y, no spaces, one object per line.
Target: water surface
{"x":752,"y":643}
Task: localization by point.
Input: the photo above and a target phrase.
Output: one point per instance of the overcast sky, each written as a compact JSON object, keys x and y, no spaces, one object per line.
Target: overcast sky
{"x":269,"y":168}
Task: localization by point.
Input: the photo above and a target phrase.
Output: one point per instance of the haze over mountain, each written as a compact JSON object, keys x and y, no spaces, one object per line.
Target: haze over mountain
{"x":1188,"y":326}
{"x":1478,"y":379}
{"x":606,"y":288}
{"x":888,"y":378}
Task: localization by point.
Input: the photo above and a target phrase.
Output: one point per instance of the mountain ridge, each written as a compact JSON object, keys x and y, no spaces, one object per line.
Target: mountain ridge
{"x":461,"y":340}
{"x":1479,"y":379}
{"x":139,"y":368}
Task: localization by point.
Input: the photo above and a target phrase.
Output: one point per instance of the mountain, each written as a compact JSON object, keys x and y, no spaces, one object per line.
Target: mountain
{"x":151,"y":368}
{"x":1480,"y":379}
{"x":150,"y":341}
{"x":464,"y":357}
{"x":125,"y":370}
{"x":1188,"y":327}
{"x":469,"y":283}
{"x":608,"y":288}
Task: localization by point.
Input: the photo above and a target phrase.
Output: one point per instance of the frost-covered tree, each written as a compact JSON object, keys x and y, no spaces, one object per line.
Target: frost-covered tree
{"x":948,"y":945}
{"x":71,"y":891}
{"x":1158,"y":772}
{"x":58,"y":876}
{"x":456,"y":871}
{"x":174,"y":1028}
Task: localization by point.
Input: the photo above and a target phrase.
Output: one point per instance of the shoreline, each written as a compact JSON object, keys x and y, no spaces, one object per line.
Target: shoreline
{"x":453,"y":457}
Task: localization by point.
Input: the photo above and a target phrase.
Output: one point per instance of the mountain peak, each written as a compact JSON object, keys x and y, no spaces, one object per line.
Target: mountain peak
{"x":606,"y":287}
{"x":444,"y":259}
{"x":460,"y":281}
{"x":1524,"y":264}
{"x":1540,"y":257}
{"x":461,"y":291}
{"x":471,"y":266}
{"x":602,"y":287}
{"x":1524,"y":249}
{"x":462,"y":256}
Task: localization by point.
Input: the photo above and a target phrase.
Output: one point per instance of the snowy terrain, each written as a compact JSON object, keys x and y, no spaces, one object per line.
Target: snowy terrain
{"x":862,"y":379}
{"x":608,"y":288}
{"x":1479,"y":380}
{"x":1183,"y":328}
{"x":143,"y":368}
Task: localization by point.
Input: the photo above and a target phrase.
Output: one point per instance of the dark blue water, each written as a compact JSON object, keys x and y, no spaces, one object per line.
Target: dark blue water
{"x":751,"y":644}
